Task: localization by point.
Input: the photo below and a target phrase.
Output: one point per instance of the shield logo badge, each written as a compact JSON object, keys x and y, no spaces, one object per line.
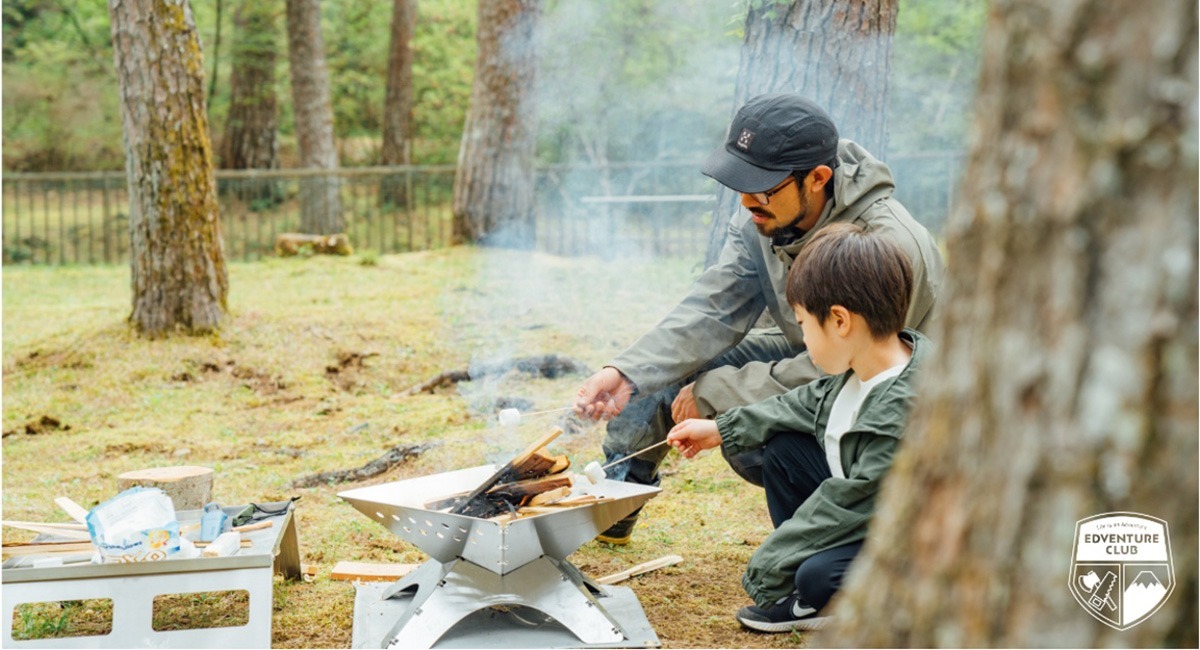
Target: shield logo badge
{"x":1122,"y":571}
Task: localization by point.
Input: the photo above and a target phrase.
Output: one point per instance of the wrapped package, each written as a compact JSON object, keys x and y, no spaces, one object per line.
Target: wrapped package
{"x":137,"y":525}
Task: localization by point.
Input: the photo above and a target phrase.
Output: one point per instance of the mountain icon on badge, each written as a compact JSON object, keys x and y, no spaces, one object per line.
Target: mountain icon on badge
{"x":1142,"y":595}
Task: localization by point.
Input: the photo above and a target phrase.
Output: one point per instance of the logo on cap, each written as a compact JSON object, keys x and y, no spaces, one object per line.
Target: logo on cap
{"x":744,"y":140}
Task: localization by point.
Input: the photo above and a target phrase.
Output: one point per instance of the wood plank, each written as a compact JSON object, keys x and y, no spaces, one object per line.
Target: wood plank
{"x":74,"y":510}
{"x":46,"y":529}
{"x":46,"y":548}
{"x":369,"y":572}
{"x":644,"y":567}
{"x":550,"y":496}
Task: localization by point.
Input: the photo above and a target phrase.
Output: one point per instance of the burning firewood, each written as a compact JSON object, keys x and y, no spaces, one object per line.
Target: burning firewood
{"x":537,"y":474}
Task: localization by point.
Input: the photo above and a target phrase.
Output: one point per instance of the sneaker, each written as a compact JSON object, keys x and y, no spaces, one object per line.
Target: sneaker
{"x":619,"y":533}
{"x":787,"y":614}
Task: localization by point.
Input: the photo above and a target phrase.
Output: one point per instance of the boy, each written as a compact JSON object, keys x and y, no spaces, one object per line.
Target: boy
{"x":827,"y":444}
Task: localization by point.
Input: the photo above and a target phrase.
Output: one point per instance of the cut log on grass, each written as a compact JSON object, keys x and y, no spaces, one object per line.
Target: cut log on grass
{"x":189,"y":486}
{"x":290,"y":244}
{"x":393,"y":457}
{"x":644,"y":567}
{"x":550,"y":366}
{"x":370,"y":572}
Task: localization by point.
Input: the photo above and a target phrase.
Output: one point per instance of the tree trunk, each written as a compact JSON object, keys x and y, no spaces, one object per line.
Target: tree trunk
{"x":838,"y":53}
{"x":252,"y":127}
{"x":493,"y":189}
{"x":1066,"y":381}
{"x":177,"y":259}
{"x":320,"y":201}
{"x":398,"y":106}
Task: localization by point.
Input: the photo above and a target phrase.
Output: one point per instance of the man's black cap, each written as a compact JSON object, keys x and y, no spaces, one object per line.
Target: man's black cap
{"x":770,"y":137}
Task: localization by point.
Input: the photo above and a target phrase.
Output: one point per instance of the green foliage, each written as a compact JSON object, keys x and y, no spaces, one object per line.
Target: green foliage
{"x":622,"y":80}
{"x":934,"y":69}
{"x":60,"y":93}
{"x":634,"y":79}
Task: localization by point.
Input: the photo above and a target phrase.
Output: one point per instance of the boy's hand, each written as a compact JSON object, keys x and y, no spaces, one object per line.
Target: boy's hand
{"x":693,"y":436}
{"x":604,"y":394}
{"x":684,"y":406}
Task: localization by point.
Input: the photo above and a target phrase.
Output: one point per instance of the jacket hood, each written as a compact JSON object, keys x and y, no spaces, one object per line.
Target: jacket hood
{"x":859,"y":181}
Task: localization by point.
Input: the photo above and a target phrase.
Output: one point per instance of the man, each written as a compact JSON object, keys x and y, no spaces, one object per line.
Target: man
{"x":795,"y":176}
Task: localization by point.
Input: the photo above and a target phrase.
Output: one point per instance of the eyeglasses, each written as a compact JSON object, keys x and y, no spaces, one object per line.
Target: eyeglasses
{"x":764,"y":198}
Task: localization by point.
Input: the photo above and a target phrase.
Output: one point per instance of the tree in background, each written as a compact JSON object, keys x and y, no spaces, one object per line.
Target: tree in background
{"x":398,"y":107}
{"x":1066,"y":381}
{"x":320,"y":199}
{"x":493,"y":187}
{"x":837,"y":53}
{"x":251,"y":138}
{"x":178,"y":266}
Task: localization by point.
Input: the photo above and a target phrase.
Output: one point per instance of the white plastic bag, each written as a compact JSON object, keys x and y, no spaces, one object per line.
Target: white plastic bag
{"x":137,"y":525}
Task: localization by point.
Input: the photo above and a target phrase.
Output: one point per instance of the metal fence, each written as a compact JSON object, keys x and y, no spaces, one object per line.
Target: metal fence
{"x":609,"y":210}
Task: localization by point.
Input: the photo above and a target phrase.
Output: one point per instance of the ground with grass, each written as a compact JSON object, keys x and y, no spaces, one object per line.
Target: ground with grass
{"x":310,"y":374}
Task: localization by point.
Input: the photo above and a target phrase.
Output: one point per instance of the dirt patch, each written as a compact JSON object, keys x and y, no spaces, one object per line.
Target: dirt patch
{"x":44,"y":424}
{"x":710,"y":591}
{"x":125,"y":448}
{"x":262,"y":383}
{"x":346,"y":373}
{"x":73,"y":358}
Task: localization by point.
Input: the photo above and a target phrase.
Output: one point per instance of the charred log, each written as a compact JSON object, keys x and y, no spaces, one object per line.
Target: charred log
{"x":550,"y":366}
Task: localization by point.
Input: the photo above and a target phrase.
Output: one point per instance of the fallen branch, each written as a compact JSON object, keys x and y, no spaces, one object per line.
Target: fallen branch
{"x":443,"y":379}
{"x":550,"y":366}
{"x":393,"y":457}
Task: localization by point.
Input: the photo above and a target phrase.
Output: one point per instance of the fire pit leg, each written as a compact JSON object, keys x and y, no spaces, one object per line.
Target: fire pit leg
{"x":466,"y":588}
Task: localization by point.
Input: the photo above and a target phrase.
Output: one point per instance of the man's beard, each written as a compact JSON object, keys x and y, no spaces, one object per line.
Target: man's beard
{"x":772,"y":227}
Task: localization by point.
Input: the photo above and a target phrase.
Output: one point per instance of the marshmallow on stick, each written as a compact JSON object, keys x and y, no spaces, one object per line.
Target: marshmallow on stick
{"x":510,"y":417}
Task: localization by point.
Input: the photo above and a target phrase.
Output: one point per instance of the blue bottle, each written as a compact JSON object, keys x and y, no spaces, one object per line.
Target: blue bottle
{"x":212,"y":522}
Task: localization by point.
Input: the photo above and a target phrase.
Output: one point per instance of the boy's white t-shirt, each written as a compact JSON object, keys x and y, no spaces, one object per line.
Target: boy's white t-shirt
{"x":845,"y":412}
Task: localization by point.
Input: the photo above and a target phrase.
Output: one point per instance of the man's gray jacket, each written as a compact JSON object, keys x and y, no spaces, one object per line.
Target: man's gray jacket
{"x":751,"y":275}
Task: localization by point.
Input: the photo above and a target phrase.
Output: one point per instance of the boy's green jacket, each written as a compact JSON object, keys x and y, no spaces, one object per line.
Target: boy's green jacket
{"x":750,"y":277}
{"x":839,"y":510}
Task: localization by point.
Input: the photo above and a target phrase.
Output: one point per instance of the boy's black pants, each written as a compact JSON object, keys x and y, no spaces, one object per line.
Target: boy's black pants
{"x":793,"y":466}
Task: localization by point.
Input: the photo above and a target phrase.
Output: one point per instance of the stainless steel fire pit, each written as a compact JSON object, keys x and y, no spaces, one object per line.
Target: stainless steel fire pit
{"x":480,"y":563}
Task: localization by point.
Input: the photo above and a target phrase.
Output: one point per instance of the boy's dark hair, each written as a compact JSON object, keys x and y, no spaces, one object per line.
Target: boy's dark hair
{"x":866,"y":273}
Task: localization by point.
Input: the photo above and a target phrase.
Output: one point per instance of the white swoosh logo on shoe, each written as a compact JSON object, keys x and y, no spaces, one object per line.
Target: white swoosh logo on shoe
{"x":800,"y":611}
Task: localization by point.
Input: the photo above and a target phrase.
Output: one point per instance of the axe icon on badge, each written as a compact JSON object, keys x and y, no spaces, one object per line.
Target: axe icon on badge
{"x":1100,"y":590}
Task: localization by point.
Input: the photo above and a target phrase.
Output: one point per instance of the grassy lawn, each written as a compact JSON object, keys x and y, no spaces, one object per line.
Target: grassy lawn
{"x":310,"y":374}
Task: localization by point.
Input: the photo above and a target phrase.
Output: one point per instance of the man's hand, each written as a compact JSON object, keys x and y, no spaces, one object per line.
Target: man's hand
{"x":684,"y":406}
{"x":604,"y":394}
{"x":693,"y":436}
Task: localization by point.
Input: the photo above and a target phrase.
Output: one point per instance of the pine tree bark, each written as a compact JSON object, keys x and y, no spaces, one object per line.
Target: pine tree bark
{"x":398,"y":104}
{"x":252,"y":127}
{"x":1066,"y":381}
{"x":838,"y":53}
{"x":177,"y":258}
{"x":493,"y":189}
{"x":320,"y":198}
